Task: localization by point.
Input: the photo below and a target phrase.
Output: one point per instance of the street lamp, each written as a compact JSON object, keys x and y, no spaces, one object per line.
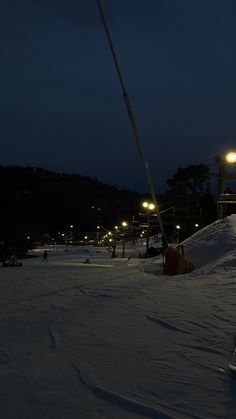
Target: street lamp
{"x":149,"y":206}
{"x":230,"y":157}
{"x":124,"y":225}
{"x":97,"y":235}
{"x":221,"y":161}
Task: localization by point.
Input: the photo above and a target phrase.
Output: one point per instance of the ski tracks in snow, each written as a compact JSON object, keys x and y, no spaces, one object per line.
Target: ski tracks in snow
{"x":88,"y":379}
{"x":166,"y":324}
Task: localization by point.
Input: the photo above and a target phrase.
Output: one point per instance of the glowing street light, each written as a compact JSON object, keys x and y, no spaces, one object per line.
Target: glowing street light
{"x":124,"y":225}
{"x":149,"y":206}
{"x":230,"y":157}
{"x":116,"y":228}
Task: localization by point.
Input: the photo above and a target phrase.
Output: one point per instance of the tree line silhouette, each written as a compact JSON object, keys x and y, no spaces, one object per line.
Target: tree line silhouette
{"x":37,"y":202}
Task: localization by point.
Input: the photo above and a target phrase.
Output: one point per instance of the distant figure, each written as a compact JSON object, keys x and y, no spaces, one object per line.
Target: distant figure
{"x":12,"y":260}
{"x":45,"y":256}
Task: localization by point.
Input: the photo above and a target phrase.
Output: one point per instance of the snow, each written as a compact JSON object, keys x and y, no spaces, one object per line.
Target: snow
{"x":114,"y":338}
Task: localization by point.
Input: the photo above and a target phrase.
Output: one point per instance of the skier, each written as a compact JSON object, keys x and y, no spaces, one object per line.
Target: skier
{"x":45,"y":256}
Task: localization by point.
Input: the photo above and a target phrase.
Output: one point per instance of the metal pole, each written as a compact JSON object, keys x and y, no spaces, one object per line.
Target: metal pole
{"x":133,"y":125}
{"x":114,"y":249}
{"x":123,"y":248}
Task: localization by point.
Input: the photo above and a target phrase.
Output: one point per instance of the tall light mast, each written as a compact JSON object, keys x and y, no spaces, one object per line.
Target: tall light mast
{"x":133,"y":125}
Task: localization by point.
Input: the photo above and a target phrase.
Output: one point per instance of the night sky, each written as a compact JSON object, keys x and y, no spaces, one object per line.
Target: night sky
{"x":61,"y":103}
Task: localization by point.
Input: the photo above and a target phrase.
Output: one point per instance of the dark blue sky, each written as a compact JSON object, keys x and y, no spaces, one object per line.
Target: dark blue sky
{"x":61,"y":104}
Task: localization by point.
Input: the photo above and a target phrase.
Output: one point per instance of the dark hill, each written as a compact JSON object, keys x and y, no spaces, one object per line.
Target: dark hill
{"x":36,"y":202}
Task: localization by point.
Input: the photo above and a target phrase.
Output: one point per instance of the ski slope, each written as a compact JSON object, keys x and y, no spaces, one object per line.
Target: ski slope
{"x":116,"y":339}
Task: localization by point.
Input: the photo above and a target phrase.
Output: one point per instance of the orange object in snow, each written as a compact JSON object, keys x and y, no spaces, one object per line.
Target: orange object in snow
{"x":175,"y":263}
{"x":170,"y":261}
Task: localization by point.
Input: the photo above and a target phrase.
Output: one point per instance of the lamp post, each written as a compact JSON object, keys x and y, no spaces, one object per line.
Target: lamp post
{"x":97,"y":234}
{"x":114,"y":242}
{"x":124,"y":225}
{"x":149,"y":206}
{"x":177,"y":231}
{"x":221,"y":161}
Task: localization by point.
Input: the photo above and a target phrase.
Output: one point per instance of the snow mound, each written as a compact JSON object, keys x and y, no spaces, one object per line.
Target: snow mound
{"x":212,"y":243}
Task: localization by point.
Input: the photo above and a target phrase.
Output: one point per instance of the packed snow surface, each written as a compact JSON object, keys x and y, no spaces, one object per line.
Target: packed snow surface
{"x":114,"y":338}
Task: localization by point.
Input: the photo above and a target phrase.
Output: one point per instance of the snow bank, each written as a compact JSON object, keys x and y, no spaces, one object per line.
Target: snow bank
{"x":212,"y":242}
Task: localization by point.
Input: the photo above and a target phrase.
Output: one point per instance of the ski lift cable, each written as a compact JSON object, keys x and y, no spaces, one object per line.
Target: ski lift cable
{"x":133,"y":124}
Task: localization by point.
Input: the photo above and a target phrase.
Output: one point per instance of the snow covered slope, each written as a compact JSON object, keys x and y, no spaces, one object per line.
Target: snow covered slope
{"x":211,"y":242}
{"x":116,"y":339}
